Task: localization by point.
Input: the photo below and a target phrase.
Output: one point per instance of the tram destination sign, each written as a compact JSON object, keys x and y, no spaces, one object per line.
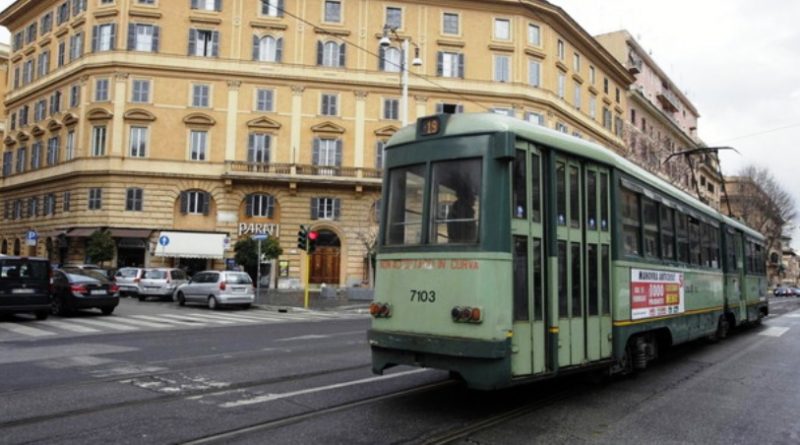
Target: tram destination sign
{"x":656,"y":293}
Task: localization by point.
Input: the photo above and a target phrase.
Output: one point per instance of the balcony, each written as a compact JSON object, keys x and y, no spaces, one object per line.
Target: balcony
{"x":302,"y":172}
{"x":634,"y":64}
{"x":669,"y":101}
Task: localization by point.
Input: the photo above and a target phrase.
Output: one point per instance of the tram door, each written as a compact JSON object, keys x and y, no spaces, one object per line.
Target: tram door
{"x":528,"y":341}
{"x":737,"y":300}
{"x":598,"y":262}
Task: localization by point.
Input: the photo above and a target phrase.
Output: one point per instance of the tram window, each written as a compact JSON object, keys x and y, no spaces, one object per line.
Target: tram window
{"x":730,"y":251}
{"x":591,"y":200}
{"x":574,"y":198}
{"x":404,"y":216}
{"x":650,"y":227}
{"x":748,"y":255}
{"x":576,"y":279}
{"x":711,"y":243}
{"x":591,"y":285}
{"x":682,"y":226}
{"x":562,"y":279}
{"x":667,"y":233}
{"x":520,"y":278}
{"x":758,"y":258}
{"x":631,"y":222}
{"x":536,"y":190}
{"x":561,"y":194}
{"x":537,"y":279}
{"x":603,"y":202}
{"x":605,"y":259}
{"x":455,"y":201}
{"x":518,"y":183}
{"x":695,"y":242}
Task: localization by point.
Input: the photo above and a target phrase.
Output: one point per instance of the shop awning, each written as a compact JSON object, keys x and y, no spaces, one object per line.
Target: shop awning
{"x":130,"y":233}
{"x":191,"y":245}
{"x":82,"y":232}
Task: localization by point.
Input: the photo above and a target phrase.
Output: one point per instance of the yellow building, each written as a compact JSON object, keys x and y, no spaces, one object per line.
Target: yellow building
{"x":206,"y":120}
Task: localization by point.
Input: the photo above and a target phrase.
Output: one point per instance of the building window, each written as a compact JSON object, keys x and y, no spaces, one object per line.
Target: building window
{"x":260,"y":205}
{"x":502,"y":29}
{"x":27,"y":72}
{"x":502,"y":68}
{"x":561,"y":127}
{"x":76,"y":46}
{"x":633,"y":116}
{"x":267,"y":49}
{"x":53,"y":148}
{"x":560,"y":49}
{"x":39,"y":110}
{"x":138,"y":142}
{"x":617,"y":94}
{"x":36,"y":156}
{"x":17,"y":209}
{"x":19,"y":41}
{"x":30,"y":33}
{"x":207,"y":5}
{"x":606,"y":118}
{"x":200,"y":96}
{"x":534,"y":35}
{"x":8,"y":160}
{"x":331,"y":54}
{"x":534,"y":118}
{"x":98,"y":140}
{"x":23,"y":115}
{"x":593,"y":106}
{"x":325,"y":208}
{"x":70,"y":145}
{"x":329,"y":105}
{"x":577,"y":96}
{"x":203,"y":43}
{"x":561,"y":84}
{"x":104,"y":37}
{"x":141,"y":91}
{"x":450,"y":64}
{"x":44,"y":63}
{"x":592,"y":75}
{"x":327,"y":153}
{"x":504,"y":111}
{"x":333,"y":11}
{"x":133,"y":200}
{"x":62,"y":13}
{"x":95,"y":199}
{"x":33,"y":207}
{"x":264,"y":100}
{"x":605,"y":85}
{"x":195,"y":202}
{"x":146,"y":2}
{"x":258,"y":145}
{"x":198,"y":141}
{"x":74,"y":95}
{"x":66,"y":203}
{"x":450,"y":23}
{"x":449,"y":108}
{"x":22,"y":158}
{"x":534,"y":73}
{"x":618,"y":126}
{"x":101,"y":90}
{"x":49,"y":204}
{"x":380,"y":147}
{"x":143,"y":37}
{"x":576,"y":62}
{"x":55,"y":102}
{"x":78,"y":6}
{"x":272,"y":8}
{"x":47,"y":23}
{"x":394,"y":17}
{"x":390,"y":59}
{"x":391,"y":109}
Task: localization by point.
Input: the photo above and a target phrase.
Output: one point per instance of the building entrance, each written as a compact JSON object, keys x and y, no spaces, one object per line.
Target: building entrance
{"x":326,"y":259}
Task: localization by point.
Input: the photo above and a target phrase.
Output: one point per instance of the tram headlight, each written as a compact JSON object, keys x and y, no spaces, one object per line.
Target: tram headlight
{"x":380,"y":310}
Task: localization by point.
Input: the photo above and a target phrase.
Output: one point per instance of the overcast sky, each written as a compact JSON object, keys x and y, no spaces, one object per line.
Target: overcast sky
{"x":738,"y":61}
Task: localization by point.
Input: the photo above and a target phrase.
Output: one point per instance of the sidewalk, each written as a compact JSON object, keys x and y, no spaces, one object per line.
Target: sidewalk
{"x":330,"y":299}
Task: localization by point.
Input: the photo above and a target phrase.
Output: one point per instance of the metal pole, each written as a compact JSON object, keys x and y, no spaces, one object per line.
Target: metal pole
{"x":258,"y":271}
{"x":404,"y":102}
{"x":307,"y":274}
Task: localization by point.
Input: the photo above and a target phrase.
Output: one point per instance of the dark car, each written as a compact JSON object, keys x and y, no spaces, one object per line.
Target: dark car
{"x":75,"y":289}
{"x":25,"y":285}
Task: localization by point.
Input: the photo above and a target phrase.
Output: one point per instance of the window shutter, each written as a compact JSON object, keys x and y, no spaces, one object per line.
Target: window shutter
{"x":379,"y":154}
{"x":129,"y":199}
{"x":205,"y":202}
{"x":314,"y":204}
{"x":267,"y":142}
{"x":338,"y":152}
{"x":439,"y":108}
{"x":268,"y":101}
{"x":336,"y":208}
{"x":381,"y":58}
{"x":439,"y":63}
{"x":131,"y":36}
{"x":94,"y":38}
{"x":184,"y":203}
{"x":113,"y":44}
{"x":279,"y":50}
{"x":256,"y":47}
{"x":217,"y":5}
{"x":459,"y":109}
{"x":315,"y":153}
{"x":251,"y":143}
{"x":215,"y":44}
{"x":280,"y":8}
{"x":248,"y":207}
{"x":325,"y":104}
{"x":270,"y":206}
{"x":461,"y":65}
{"x":192,"y":41}
{"x":342,"y":55}
{"x":156,"y":38}
{"x":319,"y":53}
{"x":194,"y":4}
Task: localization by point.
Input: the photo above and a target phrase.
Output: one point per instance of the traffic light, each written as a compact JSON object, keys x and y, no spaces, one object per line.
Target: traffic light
{"x":312,"y":241}
{"x":302,"y":238}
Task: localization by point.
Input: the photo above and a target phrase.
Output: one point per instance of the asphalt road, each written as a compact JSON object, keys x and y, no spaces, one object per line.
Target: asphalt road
{"x":304,"y":377}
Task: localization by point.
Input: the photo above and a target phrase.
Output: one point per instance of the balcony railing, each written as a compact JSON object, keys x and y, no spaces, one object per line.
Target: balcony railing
{"x":669,"y":101}
{"x":240,"y":168}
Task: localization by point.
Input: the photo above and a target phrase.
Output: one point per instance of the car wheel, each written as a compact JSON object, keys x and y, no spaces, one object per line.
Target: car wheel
{"x":107,"y":310}
{"x":212,"y":303}
{"x":246,"y":306}
{"x":142,"y":298}
{"x":181,"y":299}
{"x":42,"y":315}
{"x":57,"y":307}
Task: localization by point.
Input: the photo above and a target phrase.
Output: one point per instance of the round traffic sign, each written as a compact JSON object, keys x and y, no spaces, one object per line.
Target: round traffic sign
{"x":164,"y":240}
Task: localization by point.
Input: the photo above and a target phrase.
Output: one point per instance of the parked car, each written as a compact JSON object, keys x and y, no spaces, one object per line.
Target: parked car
{"x":25,"y":285}
{"x":217,"y":288}
{"x":128,"y":279}
{"x":160,"y":283}
{"x":75,"y":288}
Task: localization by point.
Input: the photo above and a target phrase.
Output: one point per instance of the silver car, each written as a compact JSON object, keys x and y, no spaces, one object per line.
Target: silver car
{"x":217,"y":289}
{"x":128,"y":279}
{"x":160,"y":283}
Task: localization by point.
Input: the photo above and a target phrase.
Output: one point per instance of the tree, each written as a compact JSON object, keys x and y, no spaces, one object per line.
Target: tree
{"x":100,"y":246}
{"x":246,"y":250}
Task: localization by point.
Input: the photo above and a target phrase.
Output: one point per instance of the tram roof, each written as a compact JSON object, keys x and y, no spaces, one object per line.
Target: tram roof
{"x":481,"y":123}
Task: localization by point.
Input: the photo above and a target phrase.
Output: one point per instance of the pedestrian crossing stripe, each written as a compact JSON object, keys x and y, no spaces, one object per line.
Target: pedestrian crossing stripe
{"x":25,"y":330}
{"x":70,"y":326}
{"x":106,"y":324}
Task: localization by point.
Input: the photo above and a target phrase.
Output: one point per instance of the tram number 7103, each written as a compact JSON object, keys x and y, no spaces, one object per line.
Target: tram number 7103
{"x":423,"y":296}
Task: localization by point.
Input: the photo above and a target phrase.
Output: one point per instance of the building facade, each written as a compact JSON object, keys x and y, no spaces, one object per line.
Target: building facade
{"x":662,"y":121}
{"x":181,"y":126}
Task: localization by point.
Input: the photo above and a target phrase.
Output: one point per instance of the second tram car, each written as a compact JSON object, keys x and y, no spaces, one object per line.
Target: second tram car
{"x":509,"y":252}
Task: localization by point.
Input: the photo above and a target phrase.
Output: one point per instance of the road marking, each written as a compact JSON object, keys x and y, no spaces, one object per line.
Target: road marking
{"x":106,"y":324}
{"x":25,"y":330}
{"x":304,"y":337}
{"x":774,"y":331}
{"x":194,"y":319}
{"x":166,"y":320}
{"x":793,"y":315}
{"x":69,"y":326}
{"x":271,"y":397}
{"x":146,"y":324}
{"x":226,"y":317}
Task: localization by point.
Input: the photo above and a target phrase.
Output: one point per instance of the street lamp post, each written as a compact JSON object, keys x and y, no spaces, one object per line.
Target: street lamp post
{"x":385,"y":42}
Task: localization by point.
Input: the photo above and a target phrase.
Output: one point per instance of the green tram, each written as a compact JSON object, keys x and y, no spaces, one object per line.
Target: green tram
{"x":509,"y":252}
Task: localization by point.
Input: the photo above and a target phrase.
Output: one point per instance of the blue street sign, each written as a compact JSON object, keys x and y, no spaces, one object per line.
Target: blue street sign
{"x":260,"y":237}
{"x":164,"y":240}
{"x":32,"y":235}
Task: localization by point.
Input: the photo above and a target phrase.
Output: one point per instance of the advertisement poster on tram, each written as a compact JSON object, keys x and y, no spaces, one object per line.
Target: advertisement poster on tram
{"x":656,"y":293}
